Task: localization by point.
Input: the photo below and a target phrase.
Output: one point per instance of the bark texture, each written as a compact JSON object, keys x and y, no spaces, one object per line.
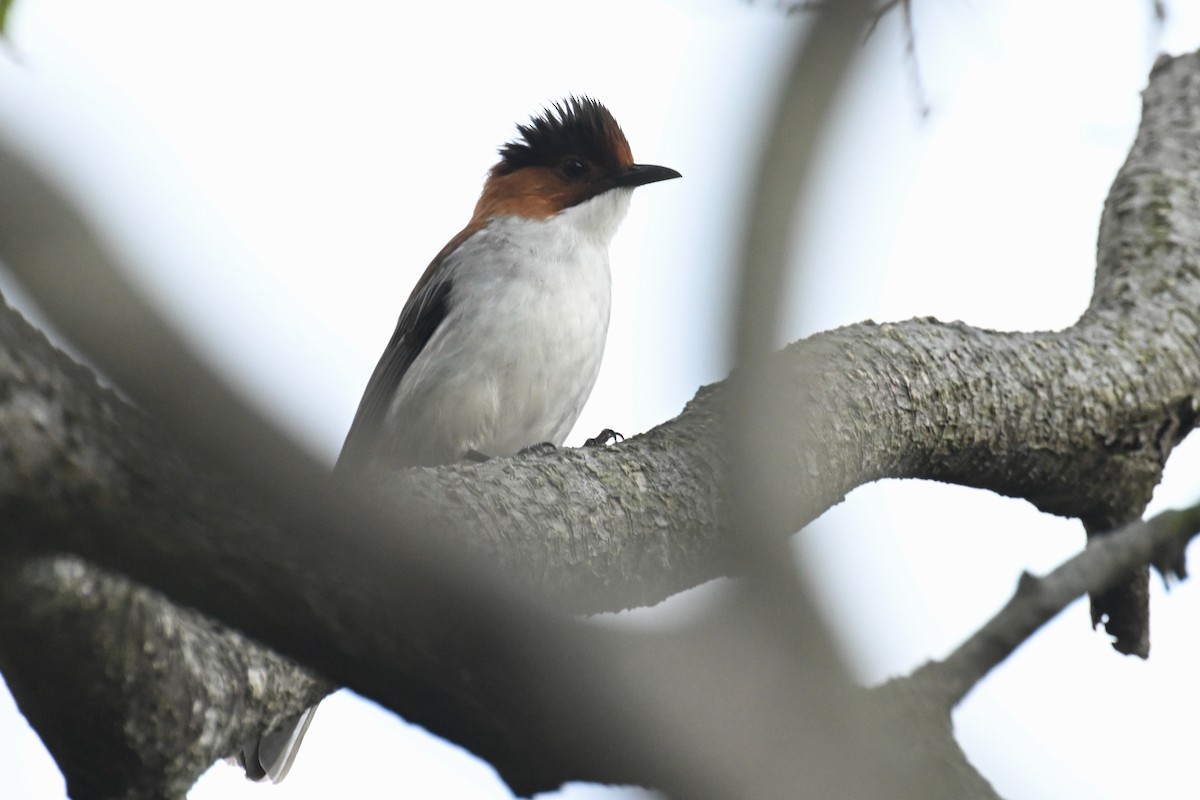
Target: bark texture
{"x":134,"y":696}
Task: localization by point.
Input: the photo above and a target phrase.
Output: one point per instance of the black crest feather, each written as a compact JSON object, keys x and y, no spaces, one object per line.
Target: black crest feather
{"x":578,"y":126}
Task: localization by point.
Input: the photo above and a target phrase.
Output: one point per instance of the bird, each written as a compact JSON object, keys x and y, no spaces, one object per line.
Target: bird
{"x":499,"y":344}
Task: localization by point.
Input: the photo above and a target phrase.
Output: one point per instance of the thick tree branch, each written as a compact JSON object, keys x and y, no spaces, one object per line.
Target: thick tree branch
{"x":87,"y":654}
{"x":79,"y":643}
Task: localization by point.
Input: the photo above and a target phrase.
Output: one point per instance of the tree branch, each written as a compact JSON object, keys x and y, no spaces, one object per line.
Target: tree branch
{"x":1159,"y":541}
{"x":86,"y":653}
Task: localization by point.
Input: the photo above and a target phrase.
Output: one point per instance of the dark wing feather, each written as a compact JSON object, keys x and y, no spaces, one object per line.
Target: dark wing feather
{"x":424,"y":312}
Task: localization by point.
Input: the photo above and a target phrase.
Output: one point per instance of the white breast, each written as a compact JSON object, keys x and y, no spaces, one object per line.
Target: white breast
{"x":517,"y":356}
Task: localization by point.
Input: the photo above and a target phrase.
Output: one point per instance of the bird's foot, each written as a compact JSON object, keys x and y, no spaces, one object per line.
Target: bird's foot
{"x":604,"y":438}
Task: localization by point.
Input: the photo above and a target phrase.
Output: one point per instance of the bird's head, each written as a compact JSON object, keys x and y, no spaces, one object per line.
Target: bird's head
{"x":572,"y":153}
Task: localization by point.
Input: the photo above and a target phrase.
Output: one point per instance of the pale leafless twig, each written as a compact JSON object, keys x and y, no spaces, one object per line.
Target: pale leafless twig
{"x":1159,"y":541}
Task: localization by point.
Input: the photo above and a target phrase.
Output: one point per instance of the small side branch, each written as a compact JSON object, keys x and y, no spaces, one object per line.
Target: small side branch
{"x":1159,"y":541}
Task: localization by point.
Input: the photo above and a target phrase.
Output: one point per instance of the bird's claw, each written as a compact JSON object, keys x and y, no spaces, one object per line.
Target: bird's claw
{"x":604,"y":438}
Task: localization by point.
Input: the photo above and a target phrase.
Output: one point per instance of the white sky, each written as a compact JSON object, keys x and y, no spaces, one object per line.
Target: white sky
{"x":282,"y":172}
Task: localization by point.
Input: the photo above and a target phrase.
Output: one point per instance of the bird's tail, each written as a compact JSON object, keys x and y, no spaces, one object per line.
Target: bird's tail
{"x":271,"y":755}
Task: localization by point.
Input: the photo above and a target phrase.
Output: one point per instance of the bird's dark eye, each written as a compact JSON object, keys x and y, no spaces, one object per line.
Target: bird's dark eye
{"x":572,"y":168}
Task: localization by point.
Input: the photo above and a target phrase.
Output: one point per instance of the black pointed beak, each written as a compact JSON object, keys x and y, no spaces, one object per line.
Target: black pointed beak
{"x":641,"y":174}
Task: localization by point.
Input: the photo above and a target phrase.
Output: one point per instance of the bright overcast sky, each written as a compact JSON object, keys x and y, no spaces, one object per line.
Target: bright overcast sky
{"x":281,"y":173}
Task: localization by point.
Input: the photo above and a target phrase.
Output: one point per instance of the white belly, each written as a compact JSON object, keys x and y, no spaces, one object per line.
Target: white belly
{"x":517,"y":356}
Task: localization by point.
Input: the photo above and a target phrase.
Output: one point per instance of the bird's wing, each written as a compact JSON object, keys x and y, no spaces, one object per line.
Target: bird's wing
{"x":425,"y":310}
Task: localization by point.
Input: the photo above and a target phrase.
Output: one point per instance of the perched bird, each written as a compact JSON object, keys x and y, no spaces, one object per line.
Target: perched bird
{"x":500,"y":342}
{"x":499,"y":345}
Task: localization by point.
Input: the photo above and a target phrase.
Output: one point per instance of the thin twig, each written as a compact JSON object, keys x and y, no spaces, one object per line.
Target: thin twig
{"x":1159,"y":541}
